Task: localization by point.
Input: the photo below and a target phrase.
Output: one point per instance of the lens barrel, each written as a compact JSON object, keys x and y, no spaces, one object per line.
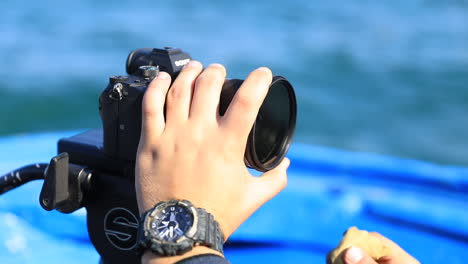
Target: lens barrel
{"x":273,"y":130}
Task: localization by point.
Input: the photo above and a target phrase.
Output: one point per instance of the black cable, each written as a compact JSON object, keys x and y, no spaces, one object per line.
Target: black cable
{"x":21,"y":176}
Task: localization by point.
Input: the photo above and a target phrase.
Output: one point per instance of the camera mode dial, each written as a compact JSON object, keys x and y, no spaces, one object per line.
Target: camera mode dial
{"x":148,"y":71}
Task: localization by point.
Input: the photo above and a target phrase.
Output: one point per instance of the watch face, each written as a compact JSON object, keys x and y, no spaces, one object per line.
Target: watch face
{"x":172,"y":222}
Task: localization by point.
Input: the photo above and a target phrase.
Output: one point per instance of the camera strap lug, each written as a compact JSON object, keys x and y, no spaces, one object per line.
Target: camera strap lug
{"x":117,"y":92}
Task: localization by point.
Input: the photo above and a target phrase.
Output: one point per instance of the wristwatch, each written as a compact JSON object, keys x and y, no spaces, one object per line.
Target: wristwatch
{"x":175,"y":227}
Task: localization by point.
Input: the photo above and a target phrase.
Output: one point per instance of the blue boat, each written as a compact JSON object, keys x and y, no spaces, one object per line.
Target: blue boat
{"x":421,"y":206}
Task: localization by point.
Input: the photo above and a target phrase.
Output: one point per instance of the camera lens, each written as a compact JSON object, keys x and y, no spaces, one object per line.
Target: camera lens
{"x":272,"y":132}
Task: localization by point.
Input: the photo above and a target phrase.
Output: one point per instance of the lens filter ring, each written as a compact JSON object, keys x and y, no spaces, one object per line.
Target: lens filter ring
{"x":272,"y":132}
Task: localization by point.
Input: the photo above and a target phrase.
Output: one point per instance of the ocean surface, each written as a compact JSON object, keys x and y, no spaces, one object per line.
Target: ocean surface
{"x":388,"y":77}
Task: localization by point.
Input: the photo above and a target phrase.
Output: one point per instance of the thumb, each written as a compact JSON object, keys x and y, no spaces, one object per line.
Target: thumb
{"x":271,"y":182}
{"x":355,"y":255}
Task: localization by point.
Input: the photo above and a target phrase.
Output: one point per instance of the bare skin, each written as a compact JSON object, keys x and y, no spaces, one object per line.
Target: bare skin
{"x":354,"y":255}
{"x":198,"y":155}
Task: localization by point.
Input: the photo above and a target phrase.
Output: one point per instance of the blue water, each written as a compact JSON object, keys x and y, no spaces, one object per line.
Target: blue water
{"x":388,"y":77}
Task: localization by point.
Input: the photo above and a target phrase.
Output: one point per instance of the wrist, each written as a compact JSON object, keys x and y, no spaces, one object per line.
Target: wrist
{"x":150,"y":258}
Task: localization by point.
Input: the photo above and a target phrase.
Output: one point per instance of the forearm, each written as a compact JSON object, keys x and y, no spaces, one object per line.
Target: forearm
{"x":150,"y":258}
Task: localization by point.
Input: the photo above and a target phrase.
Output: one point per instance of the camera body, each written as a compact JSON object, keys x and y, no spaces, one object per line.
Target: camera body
{"x":120,"y":103}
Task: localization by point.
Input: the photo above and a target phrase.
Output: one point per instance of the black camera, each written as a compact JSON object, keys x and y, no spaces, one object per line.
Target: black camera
{"x":120,"y":108}
{"x":95,"y":169}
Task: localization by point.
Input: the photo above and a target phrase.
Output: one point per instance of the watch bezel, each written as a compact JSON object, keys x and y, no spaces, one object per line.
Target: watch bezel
{"x":182,"y":244}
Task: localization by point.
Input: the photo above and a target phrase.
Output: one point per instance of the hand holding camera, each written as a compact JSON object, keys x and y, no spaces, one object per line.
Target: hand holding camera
{"x":198,"y":155}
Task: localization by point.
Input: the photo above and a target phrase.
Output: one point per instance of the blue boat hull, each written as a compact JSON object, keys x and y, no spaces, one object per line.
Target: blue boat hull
{"x":421,"y":206}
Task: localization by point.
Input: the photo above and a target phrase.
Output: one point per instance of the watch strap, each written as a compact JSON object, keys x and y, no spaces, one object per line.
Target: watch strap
{"x":142,"y":240}
{"x":208,"y":231}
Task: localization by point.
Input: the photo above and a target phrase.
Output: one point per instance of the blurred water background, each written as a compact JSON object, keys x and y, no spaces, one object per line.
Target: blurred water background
{"x":388,"y":77}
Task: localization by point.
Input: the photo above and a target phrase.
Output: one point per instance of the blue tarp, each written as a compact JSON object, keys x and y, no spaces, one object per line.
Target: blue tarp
{"x":421,"y":206}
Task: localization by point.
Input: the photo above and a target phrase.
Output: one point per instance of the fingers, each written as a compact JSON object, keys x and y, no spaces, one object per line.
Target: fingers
{"x":180,"y":94}
{"x":355,"y":255}
{"x":270,"y":183}
{"x":153,"y":107}
{"x":207,"y":92}
{"x":242,"y":112}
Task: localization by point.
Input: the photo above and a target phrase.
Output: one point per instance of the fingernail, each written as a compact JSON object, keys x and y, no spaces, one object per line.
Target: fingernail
{"x":353,"y":255}
{"x":163,"y":75}
{"x":287,"y":162}
{"x":265,"y":69}
{"x":192,"y":64}
{"x":217,"y":65}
